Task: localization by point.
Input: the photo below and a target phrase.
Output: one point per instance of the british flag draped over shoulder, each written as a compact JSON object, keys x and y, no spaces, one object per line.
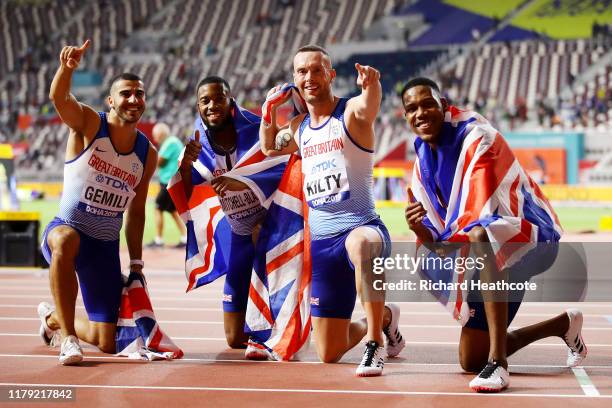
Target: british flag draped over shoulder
{"x":208,"y":230}
{"x":485,"y":185}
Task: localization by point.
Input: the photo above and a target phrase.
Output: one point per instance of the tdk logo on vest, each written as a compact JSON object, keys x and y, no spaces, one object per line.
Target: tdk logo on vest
{"x":112,"y":182}
{"x":323,"y":166}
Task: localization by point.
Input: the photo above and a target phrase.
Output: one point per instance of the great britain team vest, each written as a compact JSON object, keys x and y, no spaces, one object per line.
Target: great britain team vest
{"x":338,"y":184}
{"x":99,"y":184}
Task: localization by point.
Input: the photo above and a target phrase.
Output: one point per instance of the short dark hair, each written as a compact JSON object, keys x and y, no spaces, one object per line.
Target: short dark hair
{"x":312,"y":48}
{"x":124,"y":76}
{"x":213,"y":79}
{"x":419,"y":81}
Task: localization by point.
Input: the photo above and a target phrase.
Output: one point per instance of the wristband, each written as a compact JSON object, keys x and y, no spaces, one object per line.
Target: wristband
{"x":138,"y":262}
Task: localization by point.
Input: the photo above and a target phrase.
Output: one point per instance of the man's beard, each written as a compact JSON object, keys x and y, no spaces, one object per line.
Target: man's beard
{"x":124,"y":117}
{"x":216,"y":128}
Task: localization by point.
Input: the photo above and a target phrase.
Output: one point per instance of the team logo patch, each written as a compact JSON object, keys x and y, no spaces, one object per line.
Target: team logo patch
{"x":227,"y":298}
{"x":135,"y":167}
{"x":335,"y":130}
{"x":314,"y":301}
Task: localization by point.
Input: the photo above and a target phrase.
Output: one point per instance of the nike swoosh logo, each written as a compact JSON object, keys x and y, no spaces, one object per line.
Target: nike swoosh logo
{"x":100,"y":150}
{"x":306,"y":141}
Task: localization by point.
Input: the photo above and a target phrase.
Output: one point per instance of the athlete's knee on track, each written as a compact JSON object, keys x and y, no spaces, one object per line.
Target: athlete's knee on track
{"x":104,"y":336}
{"x":236,"y":339}
{"x":329,"y":354}
{"x":106,"y":342}
{"x":471,"y":362}
{"x":107,"y":346}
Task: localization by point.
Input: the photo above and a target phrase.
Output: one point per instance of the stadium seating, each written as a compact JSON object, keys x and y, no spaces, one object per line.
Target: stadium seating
{"x":171,"y":44}
{"x":394,"y":67}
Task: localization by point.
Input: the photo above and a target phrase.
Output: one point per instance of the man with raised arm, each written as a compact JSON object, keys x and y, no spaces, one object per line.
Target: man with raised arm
{"x":108,"y":167}
{"x":336,"y":140}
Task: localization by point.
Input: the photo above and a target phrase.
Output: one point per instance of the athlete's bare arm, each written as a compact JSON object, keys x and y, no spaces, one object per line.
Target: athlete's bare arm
{"x":135,"y":214}
{"x":279,"y":140}
{"x":361,"y":111}
{"x":82,"y":120}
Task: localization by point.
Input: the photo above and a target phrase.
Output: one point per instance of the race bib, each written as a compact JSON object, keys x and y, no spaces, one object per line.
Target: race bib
{"x":105,"y":195}
{"x":325,"y":180}
{"x":240,"y":205}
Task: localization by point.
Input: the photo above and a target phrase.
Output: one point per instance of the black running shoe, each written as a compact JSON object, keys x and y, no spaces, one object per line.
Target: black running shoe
{"x":373,"y":360}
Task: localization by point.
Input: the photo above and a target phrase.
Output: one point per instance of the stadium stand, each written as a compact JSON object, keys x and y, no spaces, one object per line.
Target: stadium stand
{"x":494,"y":58}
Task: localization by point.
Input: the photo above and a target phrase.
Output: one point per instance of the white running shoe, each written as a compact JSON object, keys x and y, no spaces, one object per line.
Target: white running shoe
{"x":573,"y":338}
{"x":373,"y":360}
{"x":492,"y":378}
{"x":395,"y":342}
{"x":49,"y":336}
{"x":71,"y":352}
{"x":255,"y":353}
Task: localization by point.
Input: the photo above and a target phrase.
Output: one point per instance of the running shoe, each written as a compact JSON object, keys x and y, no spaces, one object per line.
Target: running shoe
{"x":394,"y":340}
{"x":492,"y":378}
{"x":48,"y":335}
{"x":155,"y":244}
{"x":253,"y":352}
{"x":71,"y":352}
{"x":373,"y":360}
{"x":573,"y":338}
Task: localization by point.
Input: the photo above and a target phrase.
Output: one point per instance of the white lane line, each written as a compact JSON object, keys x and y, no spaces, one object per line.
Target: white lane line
{"x":405,"y":326}
{"x":187,"y":298}
{"x":242,"y":361}
{"x":303,"y":391}
{"x":198,"y":296}
{"x":356,"y":315}
{"x":585,"y":382}
{"x":180,"y":309}
{"x":165,"y":289}
{"x":424,"y":343}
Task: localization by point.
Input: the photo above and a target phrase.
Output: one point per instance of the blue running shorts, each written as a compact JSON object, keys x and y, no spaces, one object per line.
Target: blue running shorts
{"x":333,"y":274}
{"x":98,"y":268}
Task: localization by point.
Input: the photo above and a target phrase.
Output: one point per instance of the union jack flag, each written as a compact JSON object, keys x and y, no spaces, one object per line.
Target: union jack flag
{"x":208,"y":230}
{"x":278,"y":309}
{"x":479,"y":182}
{"x":299,"y":105}
{"x":138,"y":333}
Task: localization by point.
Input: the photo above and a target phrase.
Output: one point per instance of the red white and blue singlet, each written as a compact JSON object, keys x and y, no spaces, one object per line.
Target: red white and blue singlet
{"x":338,"y":184}
{"x":100,"y":183}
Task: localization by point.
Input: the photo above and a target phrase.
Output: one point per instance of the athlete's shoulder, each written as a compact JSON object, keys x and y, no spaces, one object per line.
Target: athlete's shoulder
{"x":297,"y":120}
